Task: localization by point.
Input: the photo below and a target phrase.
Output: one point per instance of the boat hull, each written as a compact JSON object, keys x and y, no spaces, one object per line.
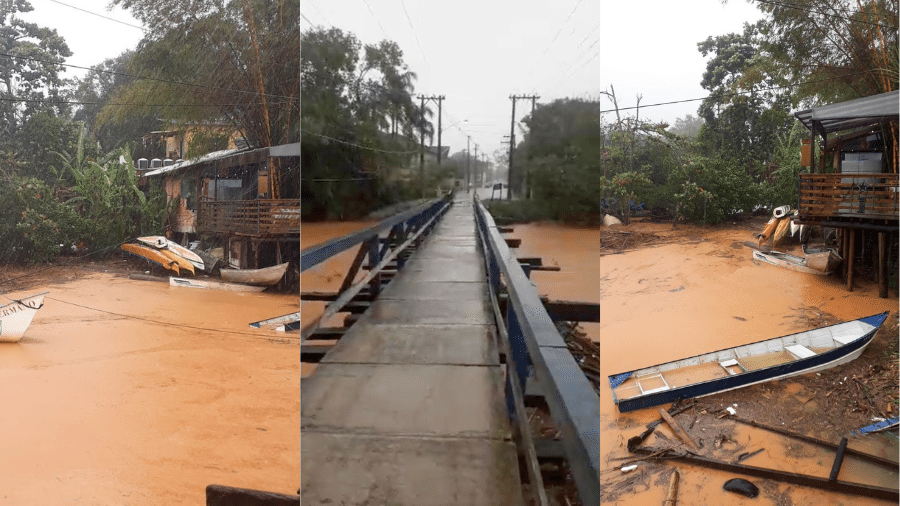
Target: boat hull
{"x":786,"y":261}
{"x":15,"y":317}
{"x":214,"y":285}
{"x":818,"y":362}
{"x":268,"y":276}
{"x":153,"y":255}
{"x":161,"y":243}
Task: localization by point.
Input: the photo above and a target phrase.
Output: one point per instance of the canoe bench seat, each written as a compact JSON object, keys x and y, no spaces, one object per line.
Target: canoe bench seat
{"x":800,"y":351}
{"x":729,"y":364}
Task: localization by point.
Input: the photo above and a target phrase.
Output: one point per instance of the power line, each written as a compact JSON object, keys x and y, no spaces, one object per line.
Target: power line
{"x":99,"y":15}
{"x":170,"y":324}
{"x":734,"y":94}
{"x":310,"y":2}
{"x":359,"y":146}
{"x":402,"y":3}
{"x":138,"y":77}
{"x":376,"y":19}
{"x":803,"y":8}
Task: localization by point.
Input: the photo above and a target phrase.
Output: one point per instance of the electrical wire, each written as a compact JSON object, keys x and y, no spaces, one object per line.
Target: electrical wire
{"x":376,"y":19}
{"x":138,"y":77}
{"x":359,"y":146}
{"x":408,"y":20}
{"x":734,"y":94}
{"x":99,"y":15}
{"x":804,"y":8}
{"x":170,"y":324}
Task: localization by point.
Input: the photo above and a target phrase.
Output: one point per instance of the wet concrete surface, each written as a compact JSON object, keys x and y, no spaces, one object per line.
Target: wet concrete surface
{"x":103,"y":409}
{"x":403,"y":397}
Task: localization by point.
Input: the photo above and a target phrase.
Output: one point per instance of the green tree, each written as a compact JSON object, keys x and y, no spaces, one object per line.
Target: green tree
{"x":744,"y":113}
{"x":30,"y":85}
{"x":95,"y":90}
{"x":237,"y":60}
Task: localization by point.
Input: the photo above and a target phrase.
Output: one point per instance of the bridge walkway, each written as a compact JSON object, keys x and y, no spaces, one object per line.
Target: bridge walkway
{"x":408,"y":408}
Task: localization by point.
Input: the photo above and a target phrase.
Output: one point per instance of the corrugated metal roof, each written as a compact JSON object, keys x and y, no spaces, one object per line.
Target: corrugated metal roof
{"x":193,"y":161}
{"x":854,"y":113}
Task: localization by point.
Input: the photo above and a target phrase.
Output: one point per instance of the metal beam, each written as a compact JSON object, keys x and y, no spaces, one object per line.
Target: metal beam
{"x":573,"y":402}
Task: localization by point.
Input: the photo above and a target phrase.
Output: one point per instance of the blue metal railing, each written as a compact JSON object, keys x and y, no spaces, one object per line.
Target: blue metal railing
{"x":401,"y":224}
{"x":535,"y":347}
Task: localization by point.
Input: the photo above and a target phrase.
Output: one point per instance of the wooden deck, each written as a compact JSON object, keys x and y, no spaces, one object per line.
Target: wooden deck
{"x":264,"y":217}
{"x":849,"y":196}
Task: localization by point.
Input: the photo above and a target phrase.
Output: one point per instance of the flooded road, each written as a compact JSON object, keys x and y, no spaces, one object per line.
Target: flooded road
{"x":102,"y":409}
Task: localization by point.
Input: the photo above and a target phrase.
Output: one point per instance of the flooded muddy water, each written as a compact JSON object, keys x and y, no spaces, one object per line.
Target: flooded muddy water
{"x":703,"y":293}
{"x":328,"y":275}
{"x":695,"y":290}
{"x":100,"y":408}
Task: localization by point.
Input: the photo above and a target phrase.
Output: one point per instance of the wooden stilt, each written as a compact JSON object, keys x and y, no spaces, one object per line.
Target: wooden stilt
{"x":882,"y":270}
{"x":844,"y":248}
{"x":849,"y":259}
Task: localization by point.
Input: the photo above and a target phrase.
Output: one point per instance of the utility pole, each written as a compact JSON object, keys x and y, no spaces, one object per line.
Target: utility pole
{"x":439,"y":99}
{"x":422,"y":148}
{"x":512,"y":136}
{"x":468,"y":139}
{"x":475,"y":179}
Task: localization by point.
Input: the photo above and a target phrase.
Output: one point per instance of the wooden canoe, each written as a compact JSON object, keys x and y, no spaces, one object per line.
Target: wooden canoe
{"x":267,"y":276}
{"x":152,"y":255}
{"x":783,"y":226}
{"x":786,"y":261}
{"x":749,"y":364}
{"x":823,"y":261}
{"x":161,"y":243}
{"x":16,"y":316}
{"x":213,"y":285}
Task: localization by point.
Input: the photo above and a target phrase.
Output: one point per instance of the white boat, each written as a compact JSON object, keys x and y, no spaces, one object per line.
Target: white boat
{"x":16,"y":316}
{"x":787,"y":261}
{"x":160,"y":242}
{"x":749,"y":364}
{"x":213,"y":285}
{"x":266,"y":276}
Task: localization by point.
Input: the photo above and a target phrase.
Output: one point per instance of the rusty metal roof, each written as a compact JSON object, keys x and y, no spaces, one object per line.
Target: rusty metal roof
{"x":239,"y":156}
{"x":852,"y":114}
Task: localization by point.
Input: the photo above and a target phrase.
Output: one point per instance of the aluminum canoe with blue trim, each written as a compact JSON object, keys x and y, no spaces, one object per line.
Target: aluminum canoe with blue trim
{"x":16,"y":316}
{"x":720,"y":371}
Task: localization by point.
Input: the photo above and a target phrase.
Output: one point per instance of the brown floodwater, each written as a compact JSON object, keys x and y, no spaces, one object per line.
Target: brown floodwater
{"x":705,"y":293}
{"x":699,"y":293}
{"x":328,"y":275}
{"x":102,"y":409}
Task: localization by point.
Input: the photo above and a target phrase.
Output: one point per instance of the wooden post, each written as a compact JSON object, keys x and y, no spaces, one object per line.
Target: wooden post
{"x":849,"y":259}
{"x":844,"y":248}
{"x":678,"y":430}
{"x":882,"y":270}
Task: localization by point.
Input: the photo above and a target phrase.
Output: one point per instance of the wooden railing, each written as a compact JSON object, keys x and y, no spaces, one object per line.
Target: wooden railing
{"x":849,"y":195}
{"x":251,"y":217}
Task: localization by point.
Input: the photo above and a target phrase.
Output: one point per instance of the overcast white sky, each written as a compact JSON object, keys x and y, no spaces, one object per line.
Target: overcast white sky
{"x":91,"y":38}
{"x":479,"y":52}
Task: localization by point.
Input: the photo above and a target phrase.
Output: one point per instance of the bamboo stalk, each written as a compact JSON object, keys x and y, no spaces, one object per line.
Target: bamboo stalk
{"x":672,"y":496}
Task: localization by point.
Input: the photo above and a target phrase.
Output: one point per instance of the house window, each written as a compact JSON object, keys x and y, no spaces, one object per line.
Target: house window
{"x":189,"y":191}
